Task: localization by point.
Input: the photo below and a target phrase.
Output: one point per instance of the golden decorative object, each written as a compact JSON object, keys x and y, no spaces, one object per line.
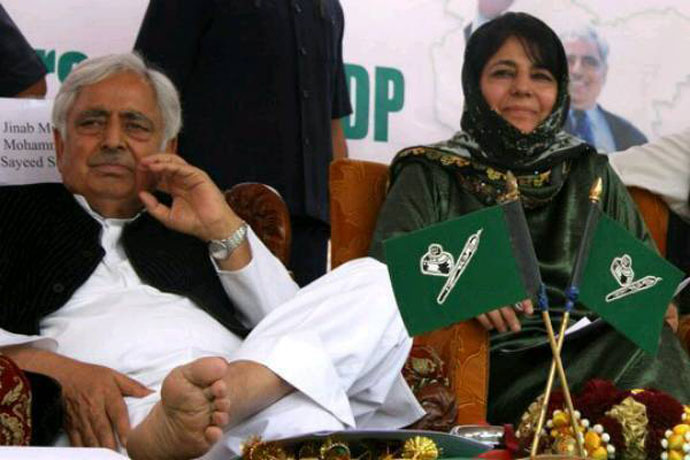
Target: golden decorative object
{"x":420,"y":448}
{"x":512,"y":192}
{"x":333,"y":450}
{"x":254,"y":449}
{"x":595,"y":191}
{"x":632,"y":416}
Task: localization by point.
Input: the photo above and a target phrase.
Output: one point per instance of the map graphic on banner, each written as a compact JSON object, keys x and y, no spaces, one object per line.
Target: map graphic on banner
{"x":27,"y":152}
{"x":642,"y":37}
{"x":405,"y":77}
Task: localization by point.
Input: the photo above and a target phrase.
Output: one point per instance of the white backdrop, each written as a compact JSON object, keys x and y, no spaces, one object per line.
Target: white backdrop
{"x":404,"y":58}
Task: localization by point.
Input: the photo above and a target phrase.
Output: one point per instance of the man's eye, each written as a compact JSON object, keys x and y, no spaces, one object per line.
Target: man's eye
{"x":590,"y":61}
{"x":137,"y":127}
{"x":90,"y":123}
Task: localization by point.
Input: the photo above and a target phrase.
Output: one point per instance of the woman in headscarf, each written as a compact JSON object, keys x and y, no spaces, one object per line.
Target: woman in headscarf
{"x":515,"y":80}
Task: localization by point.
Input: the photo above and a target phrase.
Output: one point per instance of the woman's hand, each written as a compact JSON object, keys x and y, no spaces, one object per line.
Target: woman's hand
{"x":671,"y":317}
{"x":506,"y":318}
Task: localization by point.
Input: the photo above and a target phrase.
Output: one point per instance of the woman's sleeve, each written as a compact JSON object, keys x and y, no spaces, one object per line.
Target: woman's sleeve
{"x":413,"y":202}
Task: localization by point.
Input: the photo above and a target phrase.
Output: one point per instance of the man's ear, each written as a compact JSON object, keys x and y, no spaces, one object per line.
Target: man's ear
{"x":59,"y":148}
{"x":171,"y":146}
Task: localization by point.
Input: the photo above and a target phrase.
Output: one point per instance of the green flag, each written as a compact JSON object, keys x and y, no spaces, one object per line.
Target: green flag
{"x":628,"y":284}
{"x":458,"y":269}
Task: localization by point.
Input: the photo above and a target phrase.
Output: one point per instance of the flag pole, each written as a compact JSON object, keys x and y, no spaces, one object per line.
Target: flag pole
{"x":556,"y":351}
{"x":571,"y":294}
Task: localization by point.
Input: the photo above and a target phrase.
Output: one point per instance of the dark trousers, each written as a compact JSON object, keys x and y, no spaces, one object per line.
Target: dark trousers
{"x":309,"y":246}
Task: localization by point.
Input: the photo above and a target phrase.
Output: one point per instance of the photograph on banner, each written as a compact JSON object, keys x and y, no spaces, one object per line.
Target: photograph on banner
{"x":27,"y":150}
{"x":639,"y":91}
{"x":404,"y":78}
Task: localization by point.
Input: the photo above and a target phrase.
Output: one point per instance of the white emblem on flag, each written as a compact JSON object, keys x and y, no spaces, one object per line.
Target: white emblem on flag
{"x":622,"y":271}
{"x":437,"y":262}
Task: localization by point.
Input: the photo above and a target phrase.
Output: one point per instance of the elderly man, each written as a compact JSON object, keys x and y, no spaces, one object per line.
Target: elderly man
{"x":107,"y":285}
{"x":587,"y":53}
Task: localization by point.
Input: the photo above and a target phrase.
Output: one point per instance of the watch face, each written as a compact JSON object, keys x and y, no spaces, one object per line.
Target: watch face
{"x":218,"y":250}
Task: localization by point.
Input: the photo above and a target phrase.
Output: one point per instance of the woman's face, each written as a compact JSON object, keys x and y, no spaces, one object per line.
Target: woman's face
{"x":516,"y":88}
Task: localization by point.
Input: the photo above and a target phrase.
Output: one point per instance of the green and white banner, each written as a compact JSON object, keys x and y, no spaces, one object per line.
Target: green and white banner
{"x":404,"y":57}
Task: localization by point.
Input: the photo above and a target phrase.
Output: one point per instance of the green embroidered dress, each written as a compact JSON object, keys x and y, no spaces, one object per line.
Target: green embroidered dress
{"x":430,"y":185}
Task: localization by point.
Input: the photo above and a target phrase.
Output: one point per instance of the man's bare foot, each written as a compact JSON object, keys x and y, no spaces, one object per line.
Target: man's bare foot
{"x":190,"y":417}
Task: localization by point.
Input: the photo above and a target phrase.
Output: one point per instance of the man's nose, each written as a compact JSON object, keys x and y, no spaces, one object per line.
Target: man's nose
{"x":575,"y":66}
{"x":113,"y":136}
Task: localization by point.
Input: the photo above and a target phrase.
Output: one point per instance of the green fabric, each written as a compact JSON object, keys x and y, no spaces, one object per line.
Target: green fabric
{"x":627,"y":284}
{"x":473,"y":252}
{"x":425,"y":191}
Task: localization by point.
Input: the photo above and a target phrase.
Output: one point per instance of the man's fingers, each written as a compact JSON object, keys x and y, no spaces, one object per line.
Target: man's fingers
{"x":103,"y":430}
{"x":154,"y":207}
{"x":174,"y":173}
{"x":119,"y":419}
{"x":88,"y":437}
{"x":130,"y":387}
{"x":74,"y":438}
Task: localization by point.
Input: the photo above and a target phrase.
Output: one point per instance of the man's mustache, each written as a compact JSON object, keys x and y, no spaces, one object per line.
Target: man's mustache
{"x":116,"y":157}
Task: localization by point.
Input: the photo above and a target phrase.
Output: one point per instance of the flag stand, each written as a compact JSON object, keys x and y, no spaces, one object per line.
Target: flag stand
{"x":571,"y":294}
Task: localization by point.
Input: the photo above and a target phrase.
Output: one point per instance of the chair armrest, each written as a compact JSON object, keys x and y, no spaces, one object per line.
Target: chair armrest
{"x":655,"y":213}
{"x":15,"y":410}
{"x":464,"y":348}
{"x":266,"y":213}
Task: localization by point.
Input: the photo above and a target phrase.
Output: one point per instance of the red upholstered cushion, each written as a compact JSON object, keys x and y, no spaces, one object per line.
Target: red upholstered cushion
{"x":15,"y":405}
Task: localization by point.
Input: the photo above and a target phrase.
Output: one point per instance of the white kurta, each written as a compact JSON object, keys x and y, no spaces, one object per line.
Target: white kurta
{"x":662,"y":167}
{"x":339,"y":341}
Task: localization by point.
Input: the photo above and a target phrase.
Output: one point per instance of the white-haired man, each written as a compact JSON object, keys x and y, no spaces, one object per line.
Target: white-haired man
{"x":107,"y":286}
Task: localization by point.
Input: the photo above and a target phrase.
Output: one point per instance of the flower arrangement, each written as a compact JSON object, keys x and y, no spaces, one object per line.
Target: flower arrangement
{"x":613,"y":424}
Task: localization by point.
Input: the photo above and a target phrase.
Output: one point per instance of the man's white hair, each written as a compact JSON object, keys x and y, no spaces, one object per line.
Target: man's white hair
{"x":587,"y":32}
{"x":94,"y":70}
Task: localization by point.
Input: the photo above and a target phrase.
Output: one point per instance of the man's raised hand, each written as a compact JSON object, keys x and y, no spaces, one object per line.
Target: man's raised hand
{"x":198,"y":207}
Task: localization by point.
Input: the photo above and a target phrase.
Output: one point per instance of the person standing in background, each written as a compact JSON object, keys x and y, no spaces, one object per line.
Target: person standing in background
{"x":23,"y":72}
{"x":587,"y":54}
{"x":263,"y":90}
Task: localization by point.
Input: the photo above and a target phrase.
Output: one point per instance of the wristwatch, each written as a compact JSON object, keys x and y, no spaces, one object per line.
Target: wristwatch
{"x":221,"y":249}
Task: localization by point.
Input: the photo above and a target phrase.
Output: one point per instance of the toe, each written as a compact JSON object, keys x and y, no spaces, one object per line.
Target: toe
{"x":213,"y":434}
{"x":220,"y":419}
{"x":205,"y":371}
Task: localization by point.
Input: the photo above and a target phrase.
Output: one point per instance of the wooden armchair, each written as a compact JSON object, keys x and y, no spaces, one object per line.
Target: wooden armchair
{"x":655,"y":213}
{"x":357,"y":190}
{"x":266,"y":213}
